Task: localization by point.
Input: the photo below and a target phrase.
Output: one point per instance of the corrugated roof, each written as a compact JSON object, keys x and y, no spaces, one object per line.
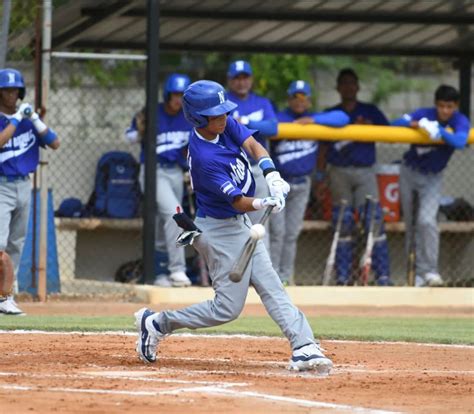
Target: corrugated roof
{"x":406,"y":27}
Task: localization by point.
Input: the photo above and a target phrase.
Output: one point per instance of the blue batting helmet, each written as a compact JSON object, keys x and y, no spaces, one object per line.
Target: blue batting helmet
{"x":12,"y":78}
{"x":175,"y":83}
{"x":299,"y":86}
{"x":205,"y":98}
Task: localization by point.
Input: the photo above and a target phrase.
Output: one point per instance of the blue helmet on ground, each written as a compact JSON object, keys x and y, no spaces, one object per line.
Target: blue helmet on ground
{"x":299,"y":86}
{"x":12,"y":78}
{"x":175,"y":83}
{"x":205,"y":98}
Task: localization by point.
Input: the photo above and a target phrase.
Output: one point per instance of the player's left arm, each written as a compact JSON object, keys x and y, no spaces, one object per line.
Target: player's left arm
{"x":278,"y":186}
{"x":458,"y":138}
{"x":268,"y":126}
{"x":47,"y":135}
{"x":336,"y":118}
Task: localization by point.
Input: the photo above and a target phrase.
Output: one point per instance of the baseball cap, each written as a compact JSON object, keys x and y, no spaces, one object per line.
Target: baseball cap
{"x":299,"y":86}
{"x":237,"y":67}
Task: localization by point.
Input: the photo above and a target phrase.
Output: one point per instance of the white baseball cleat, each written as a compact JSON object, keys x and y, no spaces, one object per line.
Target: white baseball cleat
{"x":149,"y":335}
{"x":163,"y":281}
{"x":419,"y":281}
{"x":433,"y":279}
{"x":8,"y":306}
{"x":309,"y":357}
{"x":179,"y":279}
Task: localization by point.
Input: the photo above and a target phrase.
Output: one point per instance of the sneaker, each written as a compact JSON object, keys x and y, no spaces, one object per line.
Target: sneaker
{"x":419,"y":281}
{"x":148,"y":335}
{"x":179,"y":279}
{"x":8,"y":306}
{"x":433,"y":279}
{"x":309,"y":357}
{"x":163,"y":281}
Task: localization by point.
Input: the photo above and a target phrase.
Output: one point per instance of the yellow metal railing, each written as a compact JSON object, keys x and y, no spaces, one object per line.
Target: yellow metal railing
{"x":363,"y":133}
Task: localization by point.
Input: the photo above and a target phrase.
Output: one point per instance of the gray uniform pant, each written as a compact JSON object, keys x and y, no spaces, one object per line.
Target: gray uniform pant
{"x":428,"y":187}
{"x":285,"y":228}
{"x":352,"y":184}
{"x":169,"y":194}
{"x":15,"y":200}
{"x":261,"y":191}
{"x":220,"y":245}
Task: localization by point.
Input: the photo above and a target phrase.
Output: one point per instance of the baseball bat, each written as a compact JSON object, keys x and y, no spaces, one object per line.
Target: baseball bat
{"x":331,"y":260}
{"x":241,"y":264}
{"x":366,"y":259}
{"x":411,"y":262}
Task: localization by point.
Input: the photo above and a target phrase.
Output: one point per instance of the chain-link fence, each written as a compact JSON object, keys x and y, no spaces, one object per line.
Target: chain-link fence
{"x":92,"y":103}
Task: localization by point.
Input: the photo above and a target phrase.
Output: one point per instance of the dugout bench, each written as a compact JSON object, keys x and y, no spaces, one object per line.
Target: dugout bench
{"x":94,"y":248}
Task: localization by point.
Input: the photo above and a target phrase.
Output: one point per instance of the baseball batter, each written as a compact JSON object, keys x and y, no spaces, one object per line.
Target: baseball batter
{"x":295,"y":159}
{"x":255,"y":112}
{"x":171,"y":143}
{"x":22,"y":134}
{"x":422,"y":171}
{"x":224,"y":185}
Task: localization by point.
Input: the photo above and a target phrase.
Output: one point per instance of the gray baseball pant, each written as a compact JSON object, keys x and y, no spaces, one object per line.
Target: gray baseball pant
{"x":169,"y":194}
{"x":220,"y":245}
{"x":285,"y":228}
{"x":429,"y":188}
{"x":15,"y":198}
{"x":352,"y":184}
{"x":261,"y":191}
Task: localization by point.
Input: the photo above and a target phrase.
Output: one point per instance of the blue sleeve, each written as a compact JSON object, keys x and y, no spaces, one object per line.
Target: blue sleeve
{"x":268,"y":128}
{"x":404,"y":121}
{"x":335,"y":118}
{"x":456,"y":139}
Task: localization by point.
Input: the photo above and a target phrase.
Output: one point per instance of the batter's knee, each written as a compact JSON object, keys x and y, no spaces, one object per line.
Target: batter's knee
{"x":227,"y":310}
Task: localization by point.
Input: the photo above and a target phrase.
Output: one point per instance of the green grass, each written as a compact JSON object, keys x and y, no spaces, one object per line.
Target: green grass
{"x":420,"y":329}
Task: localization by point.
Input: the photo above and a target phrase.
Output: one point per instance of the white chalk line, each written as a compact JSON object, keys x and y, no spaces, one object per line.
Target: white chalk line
{"x":211,"y":390}
{"x":228,"y":336}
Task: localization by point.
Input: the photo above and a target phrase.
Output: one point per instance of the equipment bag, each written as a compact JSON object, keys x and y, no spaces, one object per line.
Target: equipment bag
{"x":116,"y":190}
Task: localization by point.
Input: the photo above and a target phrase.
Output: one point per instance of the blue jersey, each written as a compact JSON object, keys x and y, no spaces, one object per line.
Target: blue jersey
{"x":293,"y":158}
{"x":357,"y":154}
{"x":20,"y":155}
{"x":220,"y":170}
{"x":172,"y":137}
{"x":434,"y":158}
{"x":257,"y":109}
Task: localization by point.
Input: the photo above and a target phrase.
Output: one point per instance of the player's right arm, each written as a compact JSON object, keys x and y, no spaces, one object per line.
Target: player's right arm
{"x":10,"y":129}
{"x":136,"y":131}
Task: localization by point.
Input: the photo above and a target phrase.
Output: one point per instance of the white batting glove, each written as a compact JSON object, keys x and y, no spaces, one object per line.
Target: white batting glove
{"x":278,"y":203}
{"x":26,"y":110}
{"x":278,"y":186}
{"x":431,"y":127}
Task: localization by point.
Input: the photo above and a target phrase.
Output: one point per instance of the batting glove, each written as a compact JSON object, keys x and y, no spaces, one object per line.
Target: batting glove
{"x":278,"y":203}
{"x":278,"y":186}
{"x":431,"y":127}
{"x":187,"y":237}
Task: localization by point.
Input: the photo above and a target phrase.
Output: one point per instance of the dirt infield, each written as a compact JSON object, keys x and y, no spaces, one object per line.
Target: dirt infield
{"x":98,"y":373}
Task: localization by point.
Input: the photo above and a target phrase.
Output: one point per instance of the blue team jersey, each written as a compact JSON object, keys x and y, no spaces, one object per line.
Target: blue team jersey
{"x":20,"y":155}
{"x":434,"y":158}
{"x":293,"y":158}
{"x":256,"y":108}
{"x":357,"y":154}
{"x":172,"y":137}
{"x":220,"y":171}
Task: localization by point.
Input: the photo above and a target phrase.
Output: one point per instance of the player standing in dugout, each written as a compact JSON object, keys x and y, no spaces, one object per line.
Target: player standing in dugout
{"x":222,"y":179}
{"x":422,"y":172}
{"x":22,"y":134}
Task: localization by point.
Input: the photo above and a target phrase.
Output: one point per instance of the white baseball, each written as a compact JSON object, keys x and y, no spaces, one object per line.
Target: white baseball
{"x":257,"y":231}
